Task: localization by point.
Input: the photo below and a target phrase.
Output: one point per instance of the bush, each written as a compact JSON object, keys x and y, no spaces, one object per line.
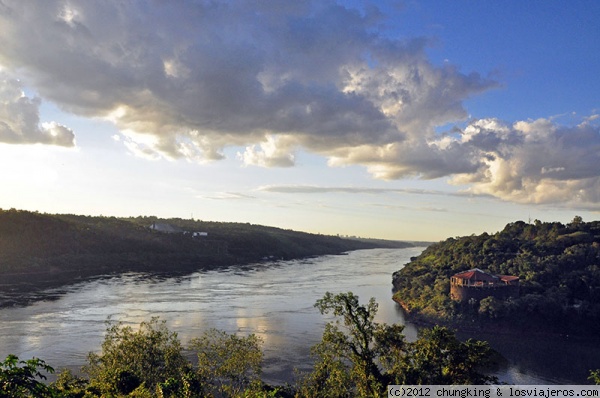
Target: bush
{"x":130,"y":359}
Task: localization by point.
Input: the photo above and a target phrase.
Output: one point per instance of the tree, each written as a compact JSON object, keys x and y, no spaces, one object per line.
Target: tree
{"x":438,"y":357}
{"x":356,"y":345}
{"x":331,"y":374}
{"x":19,"y":378}
{"x":595,"y":376}
{"x":68,"y":385}
{"x":359,"y":357}
{"x":555,"y":264}
{"x":137,"y":359}
{"x":491,"y":308}
{"x":229,"y":364}
{"x":577,"y":220}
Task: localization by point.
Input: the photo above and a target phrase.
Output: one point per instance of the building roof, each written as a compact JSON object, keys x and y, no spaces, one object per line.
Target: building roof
{"x":508,"y":278}
{"x":476,"y":274}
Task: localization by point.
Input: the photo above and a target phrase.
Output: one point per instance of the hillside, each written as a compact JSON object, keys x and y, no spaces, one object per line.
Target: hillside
{"x":46,"y":250}
{"x":558,"y":266}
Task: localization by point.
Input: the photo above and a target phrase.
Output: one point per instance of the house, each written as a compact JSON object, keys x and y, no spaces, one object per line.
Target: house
{"x":166,"y":228}
{"x":477,"y":284}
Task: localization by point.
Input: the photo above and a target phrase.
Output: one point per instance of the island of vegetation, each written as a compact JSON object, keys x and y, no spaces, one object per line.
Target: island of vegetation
{"x":536,"y":277}
{"x":49,"y":250}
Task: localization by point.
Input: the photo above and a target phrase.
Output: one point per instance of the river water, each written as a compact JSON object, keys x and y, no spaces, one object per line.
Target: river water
{"x":273,"y":300}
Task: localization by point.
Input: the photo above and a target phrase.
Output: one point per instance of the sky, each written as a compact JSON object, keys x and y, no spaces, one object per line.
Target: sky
{"x":412,"y":120}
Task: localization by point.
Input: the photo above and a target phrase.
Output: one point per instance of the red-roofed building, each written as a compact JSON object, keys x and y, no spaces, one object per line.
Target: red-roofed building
{"x":509,"y":279}
{"x":477,"y":284}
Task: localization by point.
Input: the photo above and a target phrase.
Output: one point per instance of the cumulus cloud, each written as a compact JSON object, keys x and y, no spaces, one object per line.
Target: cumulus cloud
{"x":199,"y":76}
{"x":271,"y":153}
{"x":535,"y":161}
{"x":20,"y":121}
{"x":187,"y":79}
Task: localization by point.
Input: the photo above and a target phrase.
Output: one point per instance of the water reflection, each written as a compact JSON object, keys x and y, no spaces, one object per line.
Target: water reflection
{"x":273,"y":300}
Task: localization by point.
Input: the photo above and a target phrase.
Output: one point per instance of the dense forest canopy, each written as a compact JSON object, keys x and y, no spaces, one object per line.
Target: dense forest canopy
{"x":33,"y":241}
{"x":558,"y":266}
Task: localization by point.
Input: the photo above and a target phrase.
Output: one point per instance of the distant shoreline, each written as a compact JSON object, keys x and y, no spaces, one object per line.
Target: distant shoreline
{"x":43,"y":251}
{"x":17,"y":289}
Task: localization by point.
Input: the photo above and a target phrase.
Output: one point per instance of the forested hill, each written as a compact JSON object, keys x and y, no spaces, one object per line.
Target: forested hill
{"x":43,"y":244}
{"x":558,"y":266}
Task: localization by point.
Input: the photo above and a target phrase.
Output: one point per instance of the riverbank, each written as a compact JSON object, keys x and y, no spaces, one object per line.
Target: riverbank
{"x":271,"y":299}
{"x":557,"y":358}
{"x":41,"y":251}
{"x":24,"y":288}
{"x":502,"y":327}
{"x":559,"y":288}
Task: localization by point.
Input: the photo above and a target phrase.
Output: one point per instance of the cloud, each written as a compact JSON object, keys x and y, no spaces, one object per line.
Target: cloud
{"x":20,"y":120}
{"x":535,"y":161}
{"x":421,"y":208}
{"x":188,"y":79}
{"x":538,"y":161}
{"x":228,"y":196}
{"x":197,"y":77}
{"x":312,"y":189}
{"x":269,"y":154}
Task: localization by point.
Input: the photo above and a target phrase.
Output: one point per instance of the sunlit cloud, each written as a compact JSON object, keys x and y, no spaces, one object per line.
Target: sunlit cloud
{"x":20,"y":120}
{"x":268,"y":76}
{"x":535,"y":162}
{"x":275,"y":78}
{"x":271,"y":153}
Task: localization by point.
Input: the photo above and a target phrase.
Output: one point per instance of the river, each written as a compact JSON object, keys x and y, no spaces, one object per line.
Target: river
{"x":273,"y":300}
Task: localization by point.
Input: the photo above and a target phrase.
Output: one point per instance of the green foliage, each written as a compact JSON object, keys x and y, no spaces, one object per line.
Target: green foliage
{"x":230,"y":365}
{"x":130,"y":359}
{"x":38,"y":249}
{"x":355,"y":344}
{"x":356,"y":357}
{"x":20,"y":378}
{"x":558,"y":266}
{"x":359,"y":357}
{"x":330,"y":377}
{"x":438,"y":357}
{"x":68,"y":385}
{"x":595,"y":376}
{"x":149,"y":362}
{"x":492,"y":308}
